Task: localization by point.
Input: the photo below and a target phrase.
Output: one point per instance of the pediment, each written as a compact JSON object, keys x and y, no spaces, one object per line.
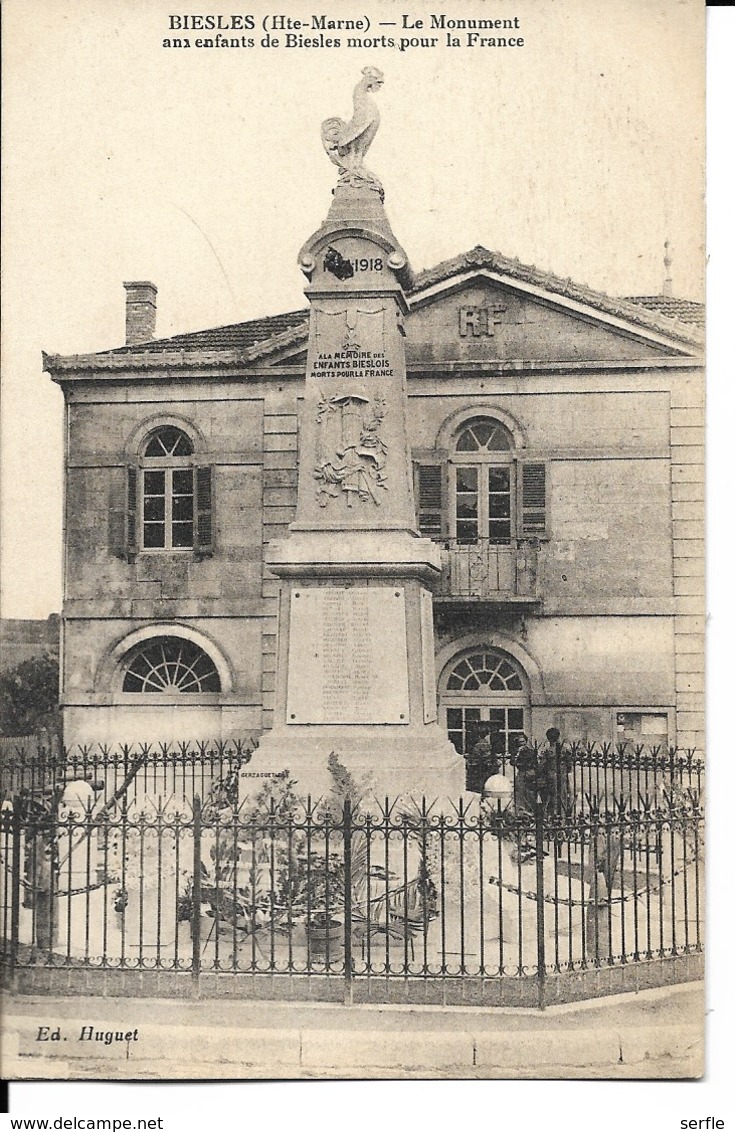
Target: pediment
{"x":482,"y":306}
{"x":490,"y":318}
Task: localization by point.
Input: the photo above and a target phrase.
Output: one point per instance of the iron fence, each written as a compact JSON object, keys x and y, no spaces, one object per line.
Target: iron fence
{"x":386,"y":901}
{"x":602,"y":775}
{"x":131,"y":770}
{"x":596,"y":775}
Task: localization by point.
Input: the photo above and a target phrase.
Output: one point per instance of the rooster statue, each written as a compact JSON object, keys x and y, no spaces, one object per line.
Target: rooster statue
{"x":347,"y":143}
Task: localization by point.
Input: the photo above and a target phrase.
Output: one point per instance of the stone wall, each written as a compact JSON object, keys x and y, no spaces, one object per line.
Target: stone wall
{"x":687,"y":493}
{"x":23,"y":639}
{"x":625,"y":490}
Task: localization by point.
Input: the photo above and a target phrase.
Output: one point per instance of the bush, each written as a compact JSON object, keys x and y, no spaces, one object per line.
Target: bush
{"x":29,"y":697}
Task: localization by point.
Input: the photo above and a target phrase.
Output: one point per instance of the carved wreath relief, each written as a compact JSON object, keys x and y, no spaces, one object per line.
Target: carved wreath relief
{"x":356,"y":452}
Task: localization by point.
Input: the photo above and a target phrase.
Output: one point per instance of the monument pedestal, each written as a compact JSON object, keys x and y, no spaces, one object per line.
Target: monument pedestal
{"x":356,"y":671}
{"x":412,"y":763}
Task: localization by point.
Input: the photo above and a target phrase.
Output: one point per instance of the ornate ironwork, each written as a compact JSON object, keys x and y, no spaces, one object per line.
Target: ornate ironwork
{"x":348,"y":887}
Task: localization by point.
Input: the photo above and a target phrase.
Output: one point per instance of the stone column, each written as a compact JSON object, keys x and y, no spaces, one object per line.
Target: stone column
{"x":355,"y":670}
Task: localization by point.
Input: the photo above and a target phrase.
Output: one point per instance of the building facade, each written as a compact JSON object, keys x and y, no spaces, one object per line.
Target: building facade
{"x":557,"y":440}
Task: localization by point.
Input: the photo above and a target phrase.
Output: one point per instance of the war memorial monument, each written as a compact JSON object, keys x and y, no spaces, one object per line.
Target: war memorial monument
{"x":356,"y":670}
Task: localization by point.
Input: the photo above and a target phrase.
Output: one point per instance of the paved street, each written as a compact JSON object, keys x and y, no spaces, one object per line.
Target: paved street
{"x":651,"y":1034}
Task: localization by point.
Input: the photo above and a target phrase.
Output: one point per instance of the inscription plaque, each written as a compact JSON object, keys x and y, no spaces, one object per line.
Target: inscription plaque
{"x":351,"y":362}
{"x":347,"y":660}
{"x":428,"y":664}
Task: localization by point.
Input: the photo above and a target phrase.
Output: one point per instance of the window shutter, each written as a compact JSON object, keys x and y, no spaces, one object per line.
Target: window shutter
{"x":204,"y":526}
{"x":122,"y":513}
{"x":430,"y":477}
{"x":131,"y":512}
{"x":116,"y":514}
{"x":533,"y":500}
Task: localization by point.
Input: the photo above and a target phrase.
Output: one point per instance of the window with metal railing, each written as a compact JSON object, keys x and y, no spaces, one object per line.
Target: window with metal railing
{"x":482,"y":487}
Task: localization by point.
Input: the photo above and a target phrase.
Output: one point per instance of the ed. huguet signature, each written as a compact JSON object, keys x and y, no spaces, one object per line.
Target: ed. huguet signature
{"x":87,"y":1034}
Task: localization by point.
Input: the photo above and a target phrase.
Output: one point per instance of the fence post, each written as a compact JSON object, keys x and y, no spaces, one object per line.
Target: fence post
{"x":540,"y":919}
{"x":196,"y":892}
{"x":347,"y":834}
{"x":15,"y":867}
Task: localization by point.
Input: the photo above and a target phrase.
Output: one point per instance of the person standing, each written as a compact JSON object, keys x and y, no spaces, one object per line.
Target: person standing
{"x":527,"y":778}
{"x":555,"y":765}
{"x":482,"y":761}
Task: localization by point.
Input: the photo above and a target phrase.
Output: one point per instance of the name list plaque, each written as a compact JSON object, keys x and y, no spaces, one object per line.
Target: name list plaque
{"x":347,"y":661}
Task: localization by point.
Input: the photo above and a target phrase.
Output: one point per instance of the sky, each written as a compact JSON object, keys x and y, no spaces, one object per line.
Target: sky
{"x":203,"y":171}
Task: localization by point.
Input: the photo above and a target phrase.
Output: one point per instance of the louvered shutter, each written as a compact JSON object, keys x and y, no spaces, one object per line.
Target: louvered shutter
{"x":116,"y":514}
{"x":122,"y":512}
{"x":533,"y":500}
{"x":204,"y":525}
{"x":430,"y":491}
{"x":131,"y":514}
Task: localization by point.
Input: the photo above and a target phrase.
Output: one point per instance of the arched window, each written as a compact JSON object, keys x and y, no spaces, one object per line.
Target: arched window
{"x":483,"y":483}
{"x":168,"y":504}
{"x":169,"y":665}
{"x":168,"y":491}
{"x":487,"y":670}
{"x":168,"y":441}
{"x":484,"y":435}
{"x":484,"y":686}
{"x":478,"y":487}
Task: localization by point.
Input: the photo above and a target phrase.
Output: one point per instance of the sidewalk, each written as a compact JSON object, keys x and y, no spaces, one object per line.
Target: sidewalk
{"x":657,"y":1033}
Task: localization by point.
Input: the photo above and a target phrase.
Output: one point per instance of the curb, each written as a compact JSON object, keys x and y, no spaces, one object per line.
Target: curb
{"x":216,"y":1052}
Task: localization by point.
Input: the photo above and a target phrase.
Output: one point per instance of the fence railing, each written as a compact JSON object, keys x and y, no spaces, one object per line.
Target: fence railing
{"x":484,"y":570}
{"x":594,"y":775}
{"x":148,"y":770}
{"x":352,"y":893}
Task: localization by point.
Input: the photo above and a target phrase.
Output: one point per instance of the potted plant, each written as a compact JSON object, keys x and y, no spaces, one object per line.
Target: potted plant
{"x":321,"y":925}
{"x":258,"y":862}
{"x":322,"y":897}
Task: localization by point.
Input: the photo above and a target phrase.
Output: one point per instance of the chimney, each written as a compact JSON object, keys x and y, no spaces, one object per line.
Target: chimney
{"x":140,"y":312}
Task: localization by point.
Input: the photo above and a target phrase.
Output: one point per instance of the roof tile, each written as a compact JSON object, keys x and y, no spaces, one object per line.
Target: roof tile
{"x":235,"y":336}
{"x":686,"y":310}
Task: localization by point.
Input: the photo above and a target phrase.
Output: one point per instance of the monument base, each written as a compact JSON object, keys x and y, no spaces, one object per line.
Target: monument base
{"x":387,"y":761}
